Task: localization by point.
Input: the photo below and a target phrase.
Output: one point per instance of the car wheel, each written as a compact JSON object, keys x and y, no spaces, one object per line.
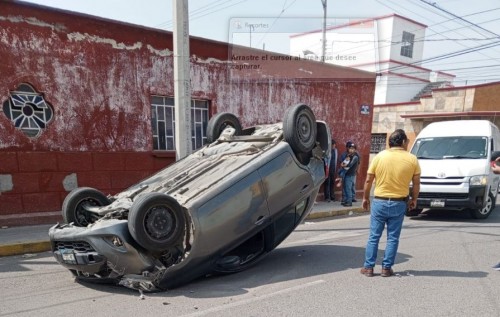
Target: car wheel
{"x":299,"y":128}
{"x":219,"y":122}
{"x":484,"y":212}
{"x":413,"y":212}
{"x":74,"y":206}
{"x":156,"y":221}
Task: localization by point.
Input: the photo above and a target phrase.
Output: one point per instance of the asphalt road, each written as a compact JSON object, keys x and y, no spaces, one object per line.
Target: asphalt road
{"x":443,"y":269}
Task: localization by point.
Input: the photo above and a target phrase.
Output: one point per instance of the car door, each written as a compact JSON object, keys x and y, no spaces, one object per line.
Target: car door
{"x":233,"y":214}
{"x":286,"y":185}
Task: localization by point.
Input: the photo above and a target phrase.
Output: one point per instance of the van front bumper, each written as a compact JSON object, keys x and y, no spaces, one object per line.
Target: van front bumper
{"x":474,"y":199}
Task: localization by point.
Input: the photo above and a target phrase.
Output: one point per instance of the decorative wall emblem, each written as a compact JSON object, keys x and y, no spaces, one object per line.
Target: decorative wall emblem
{"x":28,"y":110}
{"x":365,"y":109}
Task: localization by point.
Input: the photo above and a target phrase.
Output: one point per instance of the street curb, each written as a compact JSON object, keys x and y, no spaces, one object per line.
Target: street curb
{"x":24,"y":247}
{"x":333,"y":213}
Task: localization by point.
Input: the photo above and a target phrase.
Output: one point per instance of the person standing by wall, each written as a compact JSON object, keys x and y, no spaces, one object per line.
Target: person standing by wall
{"x":349,"y":182}
{"x":353,"y":189}
{"x":329,"y":184}
{"x":342,"y":170}
{"x":393,"y":170}
{"x":343,"y":157}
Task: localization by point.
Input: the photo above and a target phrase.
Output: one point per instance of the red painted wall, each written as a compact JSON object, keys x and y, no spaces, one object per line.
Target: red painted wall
{"x":99,"y":76}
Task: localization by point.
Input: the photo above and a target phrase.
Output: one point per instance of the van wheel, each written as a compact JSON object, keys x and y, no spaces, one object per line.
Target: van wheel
{"x":484,"y":212}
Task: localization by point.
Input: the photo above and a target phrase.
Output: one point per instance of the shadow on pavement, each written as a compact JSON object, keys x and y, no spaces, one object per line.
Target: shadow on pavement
{"x":283,"y":264}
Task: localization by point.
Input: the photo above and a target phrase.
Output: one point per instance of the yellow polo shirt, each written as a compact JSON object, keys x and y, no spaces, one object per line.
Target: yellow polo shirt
{"x":394,"y":169}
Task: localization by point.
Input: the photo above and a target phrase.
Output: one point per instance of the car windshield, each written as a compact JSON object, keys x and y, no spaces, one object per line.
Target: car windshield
{"x":450,"y":148}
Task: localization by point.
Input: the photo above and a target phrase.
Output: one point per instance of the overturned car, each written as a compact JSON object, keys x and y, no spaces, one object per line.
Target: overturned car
{"x":219,"y":210}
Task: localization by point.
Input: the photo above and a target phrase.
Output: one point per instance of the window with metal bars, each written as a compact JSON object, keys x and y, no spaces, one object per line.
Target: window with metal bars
{"x":379,"y":141}
{"x":163,"y":123}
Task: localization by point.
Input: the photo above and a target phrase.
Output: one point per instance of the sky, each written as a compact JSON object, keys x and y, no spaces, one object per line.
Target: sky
{"x":462,"y":36}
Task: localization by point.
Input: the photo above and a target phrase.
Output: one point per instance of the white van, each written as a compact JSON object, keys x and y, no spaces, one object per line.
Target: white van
{"x":455,"y":160}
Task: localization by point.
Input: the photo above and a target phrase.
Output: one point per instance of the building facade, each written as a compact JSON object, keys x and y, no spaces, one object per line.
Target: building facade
{"x":88,"y":101}
{"x":478,"y":102}
{"x":391,"y":46}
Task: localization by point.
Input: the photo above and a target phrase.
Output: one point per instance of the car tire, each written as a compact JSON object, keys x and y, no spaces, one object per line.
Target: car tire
{"x":413,"y":212}
{"x":484,"y":212}
{"x":73,"y":208}
{"x":299,"y":128}
{"x":156,"y":221}
{"x":219,"y":122}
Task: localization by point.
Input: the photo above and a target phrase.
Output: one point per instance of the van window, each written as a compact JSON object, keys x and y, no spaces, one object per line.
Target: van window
{"x":451,"y":148}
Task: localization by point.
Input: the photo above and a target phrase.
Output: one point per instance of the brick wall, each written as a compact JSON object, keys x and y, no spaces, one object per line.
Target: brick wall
{"x":34,"y":184}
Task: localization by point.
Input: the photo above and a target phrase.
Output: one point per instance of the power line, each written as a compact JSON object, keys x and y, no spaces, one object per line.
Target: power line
{"x":204,"y":11}
{"x":433,"y":4}
{"x":276,"y":19}
{"x":352,"y":50}
{"x":450,"y":55}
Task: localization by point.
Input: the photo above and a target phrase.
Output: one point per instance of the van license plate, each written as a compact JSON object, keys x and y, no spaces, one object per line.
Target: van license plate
{"x":437,"y":203}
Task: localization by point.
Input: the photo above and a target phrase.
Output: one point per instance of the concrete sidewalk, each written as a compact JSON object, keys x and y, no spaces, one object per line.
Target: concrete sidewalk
{"x":32,"y":239}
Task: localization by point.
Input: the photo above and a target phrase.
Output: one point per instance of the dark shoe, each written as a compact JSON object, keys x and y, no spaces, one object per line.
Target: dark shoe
{"x":386,"y":272}
{"x":347,"y":205}
{"x":354,"y":201}
{"x":367,"y":271}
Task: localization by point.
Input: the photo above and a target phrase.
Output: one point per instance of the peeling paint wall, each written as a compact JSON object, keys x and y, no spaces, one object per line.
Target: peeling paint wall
{"x":99,"y":76}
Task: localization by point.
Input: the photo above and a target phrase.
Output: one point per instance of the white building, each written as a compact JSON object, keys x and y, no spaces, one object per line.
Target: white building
{"x":392,"y":46}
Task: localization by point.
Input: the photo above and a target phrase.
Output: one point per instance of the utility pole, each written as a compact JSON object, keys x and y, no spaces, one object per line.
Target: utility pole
{"x":323,"y":48}
{"x":182,"y":82}
{"x":251,"y":28}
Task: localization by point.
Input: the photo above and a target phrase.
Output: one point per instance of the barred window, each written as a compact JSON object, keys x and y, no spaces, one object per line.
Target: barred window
{"x":379,"y":141}
{"x":163,"y":123}
{"x":407,"y":44}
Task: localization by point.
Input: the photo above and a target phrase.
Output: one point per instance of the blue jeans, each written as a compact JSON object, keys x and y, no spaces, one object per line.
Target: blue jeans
{"x":390,"y":213}
{"x":354,"y":187}
{"x":347,"y":189}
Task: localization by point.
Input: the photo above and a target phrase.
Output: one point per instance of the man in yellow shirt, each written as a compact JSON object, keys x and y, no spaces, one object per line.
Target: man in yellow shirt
{"x":393,"y":170}
{"x":495,"y":167}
